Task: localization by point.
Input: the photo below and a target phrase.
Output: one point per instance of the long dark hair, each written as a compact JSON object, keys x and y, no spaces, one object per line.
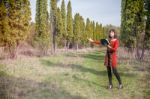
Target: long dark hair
{"x":115,"y":33}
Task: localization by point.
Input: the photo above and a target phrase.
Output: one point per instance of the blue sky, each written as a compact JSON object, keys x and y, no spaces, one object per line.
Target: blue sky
{"x":102,"y":11}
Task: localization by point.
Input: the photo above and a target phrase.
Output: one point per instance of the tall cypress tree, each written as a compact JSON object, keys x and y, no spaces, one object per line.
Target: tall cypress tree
{"x":26,"y":17}
{"x":4,"y":26}
{"x":87,"y":30}
{"x":69,"y":24}
{"x":147,"y":27}
{"x":93,"y":30}
{"x":15,"y":22}
{"x":132,"y":22}
{"x":63,"y":14}
{"x":127,"y":22}
{"x":83,"y":38}
{"x":53,"y":14}
{"x":101,"y":31}
{"x":59,"y":27}
{"x":123,"y":19}
{"x":77,"y":30}
{"x":42,"y":36}
{"x":146,"y":40}
{"x":97,"y":31}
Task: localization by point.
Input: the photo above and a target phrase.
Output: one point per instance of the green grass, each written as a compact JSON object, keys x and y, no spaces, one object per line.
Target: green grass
{"x":79,"y":75}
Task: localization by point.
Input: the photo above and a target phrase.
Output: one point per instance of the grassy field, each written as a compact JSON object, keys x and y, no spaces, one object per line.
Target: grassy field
{"x":72,"y":75}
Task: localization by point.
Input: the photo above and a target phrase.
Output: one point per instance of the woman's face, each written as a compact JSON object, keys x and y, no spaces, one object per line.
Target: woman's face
{"x":112,"y":34}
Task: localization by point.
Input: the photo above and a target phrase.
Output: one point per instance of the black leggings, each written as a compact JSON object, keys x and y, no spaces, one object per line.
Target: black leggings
{"x":115,"y":73}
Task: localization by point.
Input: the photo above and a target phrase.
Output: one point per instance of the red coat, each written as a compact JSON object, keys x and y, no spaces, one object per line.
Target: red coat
{"x":114,"y":44}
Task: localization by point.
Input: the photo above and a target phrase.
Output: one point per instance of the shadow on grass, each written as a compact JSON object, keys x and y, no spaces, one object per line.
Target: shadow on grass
{"x":3,"y":86}
{"x":147,"y":79}
{"x":20,"y":88}
{"x":85,"y":81}
{"x":73,"y":66}
{"x":95,"y":56}
{"x":83,"y":68}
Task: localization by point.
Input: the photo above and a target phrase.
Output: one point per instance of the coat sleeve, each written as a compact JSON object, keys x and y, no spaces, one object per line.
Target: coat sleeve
{"x":115,"y":47}
{"x":97,"y":42}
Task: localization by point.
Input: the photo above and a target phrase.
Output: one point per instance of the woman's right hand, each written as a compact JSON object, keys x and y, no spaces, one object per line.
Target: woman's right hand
{"x":90,"y":40}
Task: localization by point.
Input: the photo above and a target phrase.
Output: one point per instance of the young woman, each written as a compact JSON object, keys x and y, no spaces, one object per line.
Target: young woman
{"x":111,"y":57}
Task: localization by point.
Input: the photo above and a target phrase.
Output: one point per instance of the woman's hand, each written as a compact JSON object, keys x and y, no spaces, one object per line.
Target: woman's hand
{"x":90,"y":40}
{"x":109,"y":46}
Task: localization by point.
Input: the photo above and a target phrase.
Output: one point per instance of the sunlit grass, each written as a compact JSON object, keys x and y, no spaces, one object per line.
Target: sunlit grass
{"x":73,"y":75}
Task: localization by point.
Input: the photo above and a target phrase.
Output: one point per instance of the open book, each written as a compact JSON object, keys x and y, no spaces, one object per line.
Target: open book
{"x":104,"y":42}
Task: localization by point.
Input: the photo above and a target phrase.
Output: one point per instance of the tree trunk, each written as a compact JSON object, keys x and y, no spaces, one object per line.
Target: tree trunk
{"x":143,"y":51}
{"x":137,"y":53}
{"x":143,"y":47}
{"x":65,"y":45}
{"x":137,"y":50}
{"x":53,"y":28}
{"x":12,"y":50}
{"x":68,"y":44}
{"x":77,"y":45}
